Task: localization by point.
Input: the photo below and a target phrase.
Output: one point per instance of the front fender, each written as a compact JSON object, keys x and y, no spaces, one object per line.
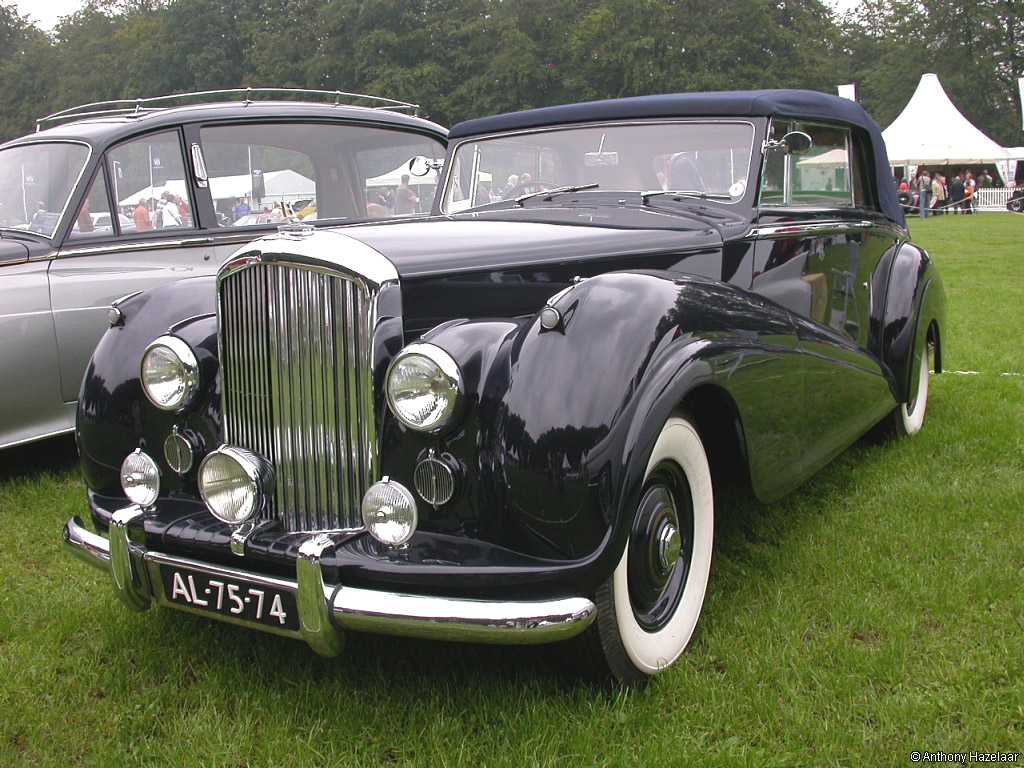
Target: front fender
{"x":563,"y":421}
{"x":114,"y":416}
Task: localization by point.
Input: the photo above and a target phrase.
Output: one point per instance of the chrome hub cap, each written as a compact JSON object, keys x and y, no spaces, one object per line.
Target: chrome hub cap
{"x":669,"y":546}
{"x":660,"y":547}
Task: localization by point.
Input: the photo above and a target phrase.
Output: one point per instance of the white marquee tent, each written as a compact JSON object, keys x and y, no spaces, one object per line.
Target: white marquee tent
{"x":282,"y":185}
{"x":931,"y":131}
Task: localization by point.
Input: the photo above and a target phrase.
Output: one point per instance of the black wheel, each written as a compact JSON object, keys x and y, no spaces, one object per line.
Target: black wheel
{"x":649,"y":607}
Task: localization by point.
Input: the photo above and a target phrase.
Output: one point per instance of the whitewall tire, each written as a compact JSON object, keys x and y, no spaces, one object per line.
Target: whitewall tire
{"x":909,"y":417}
{"x":648,"y":609}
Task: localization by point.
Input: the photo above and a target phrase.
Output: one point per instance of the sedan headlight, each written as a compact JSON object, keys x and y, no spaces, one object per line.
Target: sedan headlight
{"x":424,"y":387}
{"x":170,"y":373}
{"x":233,"y":483}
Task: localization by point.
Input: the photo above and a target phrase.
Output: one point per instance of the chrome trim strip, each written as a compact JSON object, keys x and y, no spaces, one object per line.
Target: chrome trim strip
{"x":45,"y":435}
{"x":366,"y":610}
{"x":138,"y":245}
{"x":804,"y":228}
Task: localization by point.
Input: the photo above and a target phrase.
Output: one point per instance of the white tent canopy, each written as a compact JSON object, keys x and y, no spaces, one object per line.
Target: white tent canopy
{"x":931,"y":131}
{"x":394,"y":178}
{"x":278,"y":184}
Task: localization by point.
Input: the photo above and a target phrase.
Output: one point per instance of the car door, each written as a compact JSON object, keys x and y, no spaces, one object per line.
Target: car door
{"x":30,"y":398}
{"x":150,"y":238}
{"x":815,"y":253}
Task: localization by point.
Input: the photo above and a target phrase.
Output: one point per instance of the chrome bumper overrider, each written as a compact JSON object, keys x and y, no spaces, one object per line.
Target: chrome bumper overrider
{"x":326,"y":610}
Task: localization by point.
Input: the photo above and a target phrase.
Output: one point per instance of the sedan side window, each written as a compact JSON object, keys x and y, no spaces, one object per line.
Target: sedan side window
{"x":93,"y":219}
{"x":818,"y":178}
{"x":150,"y":187}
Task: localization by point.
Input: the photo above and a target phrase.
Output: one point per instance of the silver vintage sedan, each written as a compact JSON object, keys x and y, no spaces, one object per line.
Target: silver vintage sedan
{"x":118,"y":197}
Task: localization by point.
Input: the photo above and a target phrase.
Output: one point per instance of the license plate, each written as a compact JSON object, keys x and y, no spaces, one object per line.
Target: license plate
{"x":232,"y":597}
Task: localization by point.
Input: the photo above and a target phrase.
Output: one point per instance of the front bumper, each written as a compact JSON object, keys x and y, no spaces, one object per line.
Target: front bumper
{"x":325,"y":611}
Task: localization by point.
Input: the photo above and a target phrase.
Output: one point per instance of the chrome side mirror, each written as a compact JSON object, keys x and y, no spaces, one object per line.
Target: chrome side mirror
{"x":421,"y":166}
{"x":793,"y":143}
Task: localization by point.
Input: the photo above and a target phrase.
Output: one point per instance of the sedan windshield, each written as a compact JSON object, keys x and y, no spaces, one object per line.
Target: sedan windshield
{"x":36,"y":181}
{"x":703,"y":159}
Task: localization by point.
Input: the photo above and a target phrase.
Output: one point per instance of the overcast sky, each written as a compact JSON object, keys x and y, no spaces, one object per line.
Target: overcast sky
{"x":46,"y":13}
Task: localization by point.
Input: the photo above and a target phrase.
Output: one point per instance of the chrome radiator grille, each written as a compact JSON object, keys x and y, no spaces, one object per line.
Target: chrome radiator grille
{"x":297,"y":388}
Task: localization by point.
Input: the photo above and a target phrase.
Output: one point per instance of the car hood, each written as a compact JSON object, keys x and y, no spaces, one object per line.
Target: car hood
{"x":479,"y":242}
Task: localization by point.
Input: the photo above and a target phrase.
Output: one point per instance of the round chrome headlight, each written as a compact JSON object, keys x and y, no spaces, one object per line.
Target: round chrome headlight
{"x":389,"y":512}
{"x":232,"y":482}
{"x":140,"y":478}
{"x":170,"y":373}
{"x":424,"y":387}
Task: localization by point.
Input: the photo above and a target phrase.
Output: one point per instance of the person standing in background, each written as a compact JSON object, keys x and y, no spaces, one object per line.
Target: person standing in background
{"x":924,"y":188}
{"x":141,"y":215}
{"x":970,"y":185}
{"x":956,"y":193}
{"x":938,"y":193}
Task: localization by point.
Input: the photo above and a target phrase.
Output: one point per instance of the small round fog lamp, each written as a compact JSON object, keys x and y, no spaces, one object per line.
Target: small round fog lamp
{"x":389,"y":512}
{"x":140,"y":478}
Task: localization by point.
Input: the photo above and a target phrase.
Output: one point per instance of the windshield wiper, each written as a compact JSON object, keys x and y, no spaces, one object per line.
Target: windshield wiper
{"x":547,"y":194}
{"x":697,"y":193}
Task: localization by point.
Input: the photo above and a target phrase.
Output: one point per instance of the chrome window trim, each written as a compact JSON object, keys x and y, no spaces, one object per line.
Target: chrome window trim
{"x":809,"y":228}
{"x":74,"y":187}
{"x":453,"y":149}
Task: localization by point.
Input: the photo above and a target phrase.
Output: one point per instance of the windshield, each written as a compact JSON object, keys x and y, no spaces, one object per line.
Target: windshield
{"x":699,"y":157}
{"x":36,"y":181}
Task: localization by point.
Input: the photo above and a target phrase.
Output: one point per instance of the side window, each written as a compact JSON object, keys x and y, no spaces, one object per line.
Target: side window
{"x":773,"y":174}
{"x":820,"y":178}
{"x":150,"y":186}
{"x":93,"y":219}
{"x":382,"y":159}
{"x":257,"y":174}
{"x":862,"y":163}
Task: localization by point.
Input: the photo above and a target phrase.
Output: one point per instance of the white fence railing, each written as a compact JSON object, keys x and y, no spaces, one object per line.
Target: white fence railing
{"x":992,"y":198}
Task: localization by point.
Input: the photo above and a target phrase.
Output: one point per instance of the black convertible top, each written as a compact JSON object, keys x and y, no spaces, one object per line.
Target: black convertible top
{"x":810,"y":105}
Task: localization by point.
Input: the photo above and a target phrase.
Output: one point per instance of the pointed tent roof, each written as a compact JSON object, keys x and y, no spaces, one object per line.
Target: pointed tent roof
{"x":931,"y":131}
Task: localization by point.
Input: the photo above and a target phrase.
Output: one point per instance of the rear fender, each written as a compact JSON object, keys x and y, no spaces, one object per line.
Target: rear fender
{"x":915,"y":302}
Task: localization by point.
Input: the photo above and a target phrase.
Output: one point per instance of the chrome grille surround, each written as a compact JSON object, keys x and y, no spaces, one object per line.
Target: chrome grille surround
{"x":296,"y":342}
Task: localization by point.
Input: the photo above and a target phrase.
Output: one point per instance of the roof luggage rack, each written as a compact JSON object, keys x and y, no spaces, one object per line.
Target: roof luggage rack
{"x":132,"y":107}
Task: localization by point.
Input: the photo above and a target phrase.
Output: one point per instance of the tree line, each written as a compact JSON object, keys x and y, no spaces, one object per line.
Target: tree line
{"x":467,"y":58}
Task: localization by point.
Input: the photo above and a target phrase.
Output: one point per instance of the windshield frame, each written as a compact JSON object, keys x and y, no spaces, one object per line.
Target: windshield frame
{"x":753,"y":164}
{"x":73,"y":194}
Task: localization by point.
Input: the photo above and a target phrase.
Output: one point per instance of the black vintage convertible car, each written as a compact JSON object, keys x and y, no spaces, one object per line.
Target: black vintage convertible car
{"x":507,"y":423}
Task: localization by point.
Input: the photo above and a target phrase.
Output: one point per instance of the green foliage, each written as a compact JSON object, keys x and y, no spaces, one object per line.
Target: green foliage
{"x":466,"y":58}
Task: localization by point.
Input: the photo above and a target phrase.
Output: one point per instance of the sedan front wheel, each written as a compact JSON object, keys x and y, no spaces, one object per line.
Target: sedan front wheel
{"x":648,"y":609}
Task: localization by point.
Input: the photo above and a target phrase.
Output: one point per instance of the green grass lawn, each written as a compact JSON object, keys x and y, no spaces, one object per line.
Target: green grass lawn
{"x":875,"y":611}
